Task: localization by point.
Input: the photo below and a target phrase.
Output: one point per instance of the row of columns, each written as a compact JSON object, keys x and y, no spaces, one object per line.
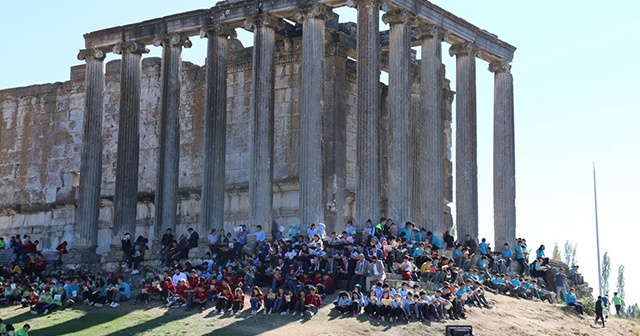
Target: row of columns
{"x":416,"y":175}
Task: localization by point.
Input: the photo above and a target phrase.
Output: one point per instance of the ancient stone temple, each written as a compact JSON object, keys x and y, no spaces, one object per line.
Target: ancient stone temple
{"x":296,"y":128}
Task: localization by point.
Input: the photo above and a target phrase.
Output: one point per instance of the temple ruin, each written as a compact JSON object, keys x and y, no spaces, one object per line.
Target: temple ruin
{"x":296,"y":128}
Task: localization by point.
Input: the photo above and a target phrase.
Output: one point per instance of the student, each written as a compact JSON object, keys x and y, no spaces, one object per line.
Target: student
{"x":357,"y":303}
{"x":571,"y":300}
{"x":372,"y":308}
{"x":121,"y":292}
{"x":289,"y":303}
{"x":256,"y":300}
{"x":385,"y":306}
{"x":225,"y":300}
{"x":300,"y":302}
{"x":24,"y":331}
{"x":343,"y":303}
{"x":238,"y":302}
{"x":405,"y":268}
{"x":269,"y":302}
{"x":599,"y":309}
{"x":396,"y":309}
{"x":313,"y":302}
{"x":350,"y":230}
{"x":618,"y":302}
{"x":278,"y":304}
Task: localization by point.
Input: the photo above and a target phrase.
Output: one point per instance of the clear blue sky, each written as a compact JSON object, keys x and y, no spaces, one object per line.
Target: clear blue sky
{"x":576,"y":75}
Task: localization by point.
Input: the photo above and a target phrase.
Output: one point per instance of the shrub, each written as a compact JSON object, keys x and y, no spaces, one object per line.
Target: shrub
{"x":589,"y":305}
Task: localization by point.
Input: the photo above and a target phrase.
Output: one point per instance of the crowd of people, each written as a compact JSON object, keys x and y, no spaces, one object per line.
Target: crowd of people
{"x":293,"y":272}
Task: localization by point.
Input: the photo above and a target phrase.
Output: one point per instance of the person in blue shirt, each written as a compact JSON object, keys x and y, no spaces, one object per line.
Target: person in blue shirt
{"x":259,"y":234}
{"x":369,"y":228}
{"x":483,"y":246}
{"x":72,"y":291}
{"x":540,"y":255}
{"x":407,"y":230}
{"x":121,"y":292}
{"x":572,"y":300}
{"x":343,"y":303}
{"x":350,"y":230}
{"x":520,"y":251}
{"x":507,"y":254}
{"x":436,"y":243}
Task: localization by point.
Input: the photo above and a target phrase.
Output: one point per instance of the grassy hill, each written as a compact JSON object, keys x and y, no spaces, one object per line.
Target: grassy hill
{"x":509,"y":316}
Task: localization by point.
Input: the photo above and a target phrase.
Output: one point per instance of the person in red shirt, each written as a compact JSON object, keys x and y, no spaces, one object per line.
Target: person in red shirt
{"x":194,"y":279}
{"x":224,"y":300}
{"x":238,"y":302}
{"x":313,"y":302}
{"x":145,"y":292}
{"x":181,"y":296}
{"x":256,"y":300}
{"x":199,"y":298}
{"x":167,"y":288}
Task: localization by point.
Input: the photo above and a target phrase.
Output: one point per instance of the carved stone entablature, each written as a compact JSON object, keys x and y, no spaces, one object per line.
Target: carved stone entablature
{"x":263,"y":20}
{"x":349,"y":28}
{"x":367,"y":3}
{"x":399,"y":16}
{"x":336,"y":49}
{"x":218,"y":30}
{"x":130,"y":47}
{"x":428,"y":31}
{"x":500,"y":67}
{"x":464,"y":49}
{"x":87,"y":54}
{"x":313,"y":10}
{"x":172,"y":40}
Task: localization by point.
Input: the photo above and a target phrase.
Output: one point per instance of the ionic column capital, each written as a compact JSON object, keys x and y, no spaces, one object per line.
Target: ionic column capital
{"x":263,"y":20}
{"x":429,"y":31}
{"x":500,"y":67}
{"x":399,"y":16}
{"x":173,"y":40}
{"x":130,"y":47}
{"x":464,"y":49}
{"x":89,"y":54}
{"x":218,"y":30}
{"x":365,"y":3}
{"x":313,"y":10}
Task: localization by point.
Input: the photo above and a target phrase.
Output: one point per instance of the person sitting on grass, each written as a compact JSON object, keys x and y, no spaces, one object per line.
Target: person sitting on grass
{"x":572,"y":300}
{"x":24,"y":331}
{"x":357,"y":303}
{"x":299,"y":303}
{"x":120,"y":292}
{"x":343,"y":303}
{"x":199,"y":298}
{"x":313,"y":302}
{"x":269,"y":302}
{"x":43,"y":301}
{"x":225,"y":301}
{"x":180,"y":297}
{"x":72,"y":291}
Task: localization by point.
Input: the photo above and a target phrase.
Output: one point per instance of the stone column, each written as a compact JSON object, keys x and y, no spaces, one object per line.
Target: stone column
{"x":504,"y":164}
{"x":466,"y":147}
{"x":166,"y":197}
{"x":262,"y":108}
{"x":429,"y":128}
{"x":86,"y":234}
{"x":127,"y":158}
{"x":400,"y":165}
{"x":334,"y":121}
{"x":215,"y":126}
{"x":367,"y":201}
{"x":312,"y":17}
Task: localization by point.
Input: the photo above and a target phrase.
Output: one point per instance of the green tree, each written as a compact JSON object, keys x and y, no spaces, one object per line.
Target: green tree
{"x":567,"y":252}
{"x":556,"y":252}
{"x":606,"y":273}
{"x":620,"y":285}
{"x":574,"y":257}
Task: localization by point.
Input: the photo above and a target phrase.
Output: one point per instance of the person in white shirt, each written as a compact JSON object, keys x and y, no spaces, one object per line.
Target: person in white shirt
{"x":312,"y":230}
{"x":177,"y":275}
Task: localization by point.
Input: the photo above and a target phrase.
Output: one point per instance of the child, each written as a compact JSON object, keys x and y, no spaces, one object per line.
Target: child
{"x":300,"y":302}
{"x":224,"y":301}
{"x":357,"y":303}
{"x":238,"y":302}
{"x":343,"y":303}
{"x":372,"y":308}
{"x":279,"y":301}
{"x":24,"y":331}
{"x":289,"y":304}
{"x":199,"y":298}
{"x":256,"y":300}
{"x":269,"y":302}
{"x":385,"y":305}
{"x":312,"y":303}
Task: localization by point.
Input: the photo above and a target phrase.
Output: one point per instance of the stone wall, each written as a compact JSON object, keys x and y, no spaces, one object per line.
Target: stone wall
{"x":40,"y":141}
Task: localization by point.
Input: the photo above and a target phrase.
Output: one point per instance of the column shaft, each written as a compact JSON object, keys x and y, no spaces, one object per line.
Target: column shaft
{"x":127,"y":158}
{"x":466,"y":137}
{"x":400,"y":165}
{"x":312,"y":71}
{"x":429,"y":184}
{"x":368,"y":110}
{"x":504,"y":165}
{"x":91,"y":155}
{"x":215,"y":127}
{"x":262,"y":108}
{"x":166,"y":197}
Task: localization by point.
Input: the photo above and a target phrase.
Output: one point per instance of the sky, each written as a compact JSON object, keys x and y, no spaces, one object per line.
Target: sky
{"x":576,"y":75}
